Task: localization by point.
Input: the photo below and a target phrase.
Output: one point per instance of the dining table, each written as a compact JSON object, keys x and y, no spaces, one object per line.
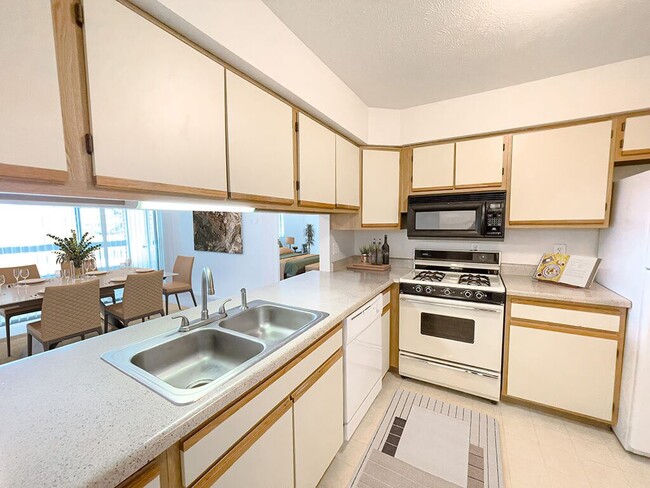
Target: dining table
{"x":30,"y":296}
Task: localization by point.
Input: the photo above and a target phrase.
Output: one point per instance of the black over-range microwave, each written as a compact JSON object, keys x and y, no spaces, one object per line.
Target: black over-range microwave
{"x":458,"y":216}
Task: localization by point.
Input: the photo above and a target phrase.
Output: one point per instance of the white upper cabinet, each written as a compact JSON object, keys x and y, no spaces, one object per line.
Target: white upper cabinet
{"x":347,"y":173}
{"x":433,"y":167}
{"x":561,"y":176}
{"x":637,"y":134}
{"x":31,"y":124}
{"x":260,"y":143}
{"x":316,"y":163}
{"x":157,"y":106}
{"x":380,"y":183}
{"x":479,"y":162}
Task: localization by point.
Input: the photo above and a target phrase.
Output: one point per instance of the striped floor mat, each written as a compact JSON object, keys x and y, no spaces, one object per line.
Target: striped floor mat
{"x":382,"y":467}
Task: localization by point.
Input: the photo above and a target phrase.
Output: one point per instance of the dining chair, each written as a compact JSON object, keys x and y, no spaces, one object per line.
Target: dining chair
{"x":68,"y":311}
{"x":103,"y":293}
{"x":182,"y":283}
{"x":142,"y":298}
{"x":9,"y":313}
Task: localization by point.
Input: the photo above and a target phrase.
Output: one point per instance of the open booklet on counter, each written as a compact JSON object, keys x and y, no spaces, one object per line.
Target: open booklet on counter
{"x":566,"y":269}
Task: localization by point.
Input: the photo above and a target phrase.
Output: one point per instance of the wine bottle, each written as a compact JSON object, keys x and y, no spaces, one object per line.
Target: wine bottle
{"x":385,"y":251}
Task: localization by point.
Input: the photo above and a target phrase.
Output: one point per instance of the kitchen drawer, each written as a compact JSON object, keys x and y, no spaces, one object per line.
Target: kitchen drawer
{"x":572,"y":372}
{"x":576,"y":316}
{"x":207,"y":445}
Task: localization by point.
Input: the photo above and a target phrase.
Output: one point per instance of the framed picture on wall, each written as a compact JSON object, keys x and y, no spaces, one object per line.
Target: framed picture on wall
{"x":218,"y":232}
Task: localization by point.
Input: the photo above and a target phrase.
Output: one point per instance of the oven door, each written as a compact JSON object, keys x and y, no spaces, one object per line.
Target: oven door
{"x":460,"y":332}
{"x":446,"y":220}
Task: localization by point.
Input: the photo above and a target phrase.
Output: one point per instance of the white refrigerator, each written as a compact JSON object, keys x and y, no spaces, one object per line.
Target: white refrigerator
{"x":625,"y":251}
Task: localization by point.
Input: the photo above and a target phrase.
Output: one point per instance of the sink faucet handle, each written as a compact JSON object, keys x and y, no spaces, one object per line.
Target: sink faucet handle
{"x":222,"y":308}
{"x":185,"y":323}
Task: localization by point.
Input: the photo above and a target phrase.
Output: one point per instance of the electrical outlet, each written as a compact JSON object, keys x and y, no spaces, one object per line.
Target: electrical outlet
{"x":559,"y":248}
{"x":474,"y":246}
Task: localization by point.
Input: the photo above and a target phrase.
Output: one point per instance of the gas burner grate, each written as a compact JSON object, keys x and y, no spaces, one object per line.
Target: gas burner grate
{"x":429,"y":276}
{"x":475,"y":280}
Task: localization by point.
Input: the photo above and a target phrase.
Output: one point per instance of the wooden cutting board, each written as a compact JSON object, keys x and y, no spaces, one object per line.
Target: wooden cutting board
{"x":369,"y":267}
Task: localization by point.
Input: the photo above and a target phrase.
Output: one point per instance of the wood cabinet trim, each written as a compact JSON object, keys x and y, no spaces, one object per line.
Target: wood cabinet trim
{"x":380,"y":226}
{"x":558,"y":411}
{"x":595,"y":308}
{"x":310,"y":204}
{"x":19,"y":172}
{"x":347,"y":207}
{"x":143,"y":476}
{"x":316,"y":375}
{"x":231,"y":457}
{"x":261,"y":198}
{"x":385,"y":310}
{"x":193,"y":438}
{"x":564,"y":329}
{"x":148,"y":186}
{"x":394,"y":326}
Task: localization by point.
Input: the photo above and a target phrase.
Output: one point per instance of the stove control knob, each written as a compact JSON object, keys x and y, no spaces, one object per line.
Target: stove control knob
{"x":480,"y":295}
{"x":428,"y":289}
{"x":468,"y":293}
{"x":418,"y":288}
{"x":447,"y":291}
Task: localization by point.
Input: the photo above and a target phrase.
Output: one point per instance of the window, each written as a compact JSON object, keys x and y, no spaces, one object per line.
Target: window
{"x":122,"y":233}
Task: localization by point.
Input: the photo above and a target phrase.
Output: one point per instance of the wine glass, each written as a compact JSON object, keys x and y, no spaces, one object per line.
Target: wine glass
{"x":16,"y":275}
{"x":66,"y":275}
{"x":93,"y":265}
{"x":24,"y":274}
{"x":57,"y":275}
{"x":2,"y":282}
{"x":128,"y":263}
{"x":86,"y":267}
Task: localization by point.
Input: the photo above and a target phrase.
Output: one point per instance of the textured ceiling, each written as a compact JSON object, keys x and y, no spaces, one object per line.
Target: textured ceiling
{"x":402,"y":53}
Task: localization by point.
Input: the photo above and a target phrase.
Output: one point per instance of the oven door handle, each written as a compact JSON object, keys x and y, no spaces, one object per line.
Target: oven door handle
{"x":453,"y":368}
{"x":464,"y":307}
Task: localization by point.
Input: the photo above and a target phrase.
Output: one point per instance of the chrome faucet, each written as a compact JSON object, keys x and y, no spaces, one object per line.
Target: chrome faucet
{"x":244,"y":302}
{"x":207,"y":288}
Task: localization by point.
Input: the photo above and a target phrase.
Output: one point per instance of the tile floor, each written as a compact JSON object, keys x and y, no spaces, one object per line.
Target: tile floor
{"x":539,"y":450}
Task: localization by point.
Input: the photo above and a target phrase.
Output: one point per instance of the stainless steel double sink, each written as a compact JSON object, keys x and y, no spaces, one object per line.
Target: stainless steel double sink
{"x":184,"y":366}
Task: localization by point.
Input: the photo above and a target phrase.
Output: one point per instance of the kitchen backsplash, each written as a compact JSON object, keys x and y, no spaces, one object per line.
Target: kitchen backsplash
{"x":521,"y":246}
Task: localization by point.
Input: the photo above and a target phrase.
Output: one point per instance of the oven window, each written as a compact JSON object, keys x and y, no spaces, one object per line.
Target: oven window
{"x":445,"y":220}
{"x":444,"y":327}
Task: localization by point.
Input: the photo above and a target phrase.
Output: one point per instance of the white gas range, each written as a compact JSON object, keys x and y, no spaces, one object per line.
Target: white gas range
{"x":451,"y":321}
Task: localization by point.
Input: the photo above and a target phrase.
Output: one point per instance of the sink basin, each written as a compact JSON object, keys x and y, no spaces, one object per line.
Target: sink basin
{"x":184,"y":366}
{"x":194,"y":360}
{"x":269,"y":322}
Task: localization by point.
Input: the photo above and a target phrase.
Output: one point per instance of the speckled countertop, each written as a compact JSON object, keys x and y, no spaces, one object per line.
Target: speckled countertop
{"x":519,"y":282}
{"x":70,"y":419}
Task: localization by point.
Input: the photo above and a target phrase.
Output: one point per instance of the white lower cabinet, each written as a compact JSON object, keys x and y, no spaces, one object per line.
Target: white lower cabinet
{"x":295,"y":414}
{"x":268,"y":460}
{"x":565,"y":357}
{"x":318,"y":426}
{"x":571,"y":372}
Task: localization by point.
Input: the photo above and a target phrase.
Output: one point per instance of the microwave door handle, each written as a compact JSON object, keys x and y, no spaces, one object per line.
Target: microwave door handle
{"x":483,"y":224}
{"x":412,"y":300}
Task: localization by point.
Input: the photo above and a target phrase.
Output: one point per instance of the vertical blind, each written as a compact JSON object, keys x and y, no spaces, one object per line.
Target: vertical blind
{"x":123,"y":234}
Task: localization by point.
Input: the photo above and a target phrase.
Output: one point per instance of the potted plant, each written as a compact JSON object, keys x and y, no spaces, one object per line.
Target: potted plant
{"x":74,"y":250}
{"x":365,"y":254}
{"x":310,"y":235}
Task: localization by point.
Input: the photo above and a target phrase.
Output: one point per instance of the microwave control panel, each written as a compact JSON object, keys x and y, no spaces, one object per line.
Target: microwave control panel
{"x":494,"y":218}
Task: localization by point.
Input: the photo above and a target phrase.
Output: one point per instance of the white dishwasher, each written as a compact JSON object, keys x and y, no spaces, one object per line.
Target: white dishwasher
{"x":362,"y":356}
